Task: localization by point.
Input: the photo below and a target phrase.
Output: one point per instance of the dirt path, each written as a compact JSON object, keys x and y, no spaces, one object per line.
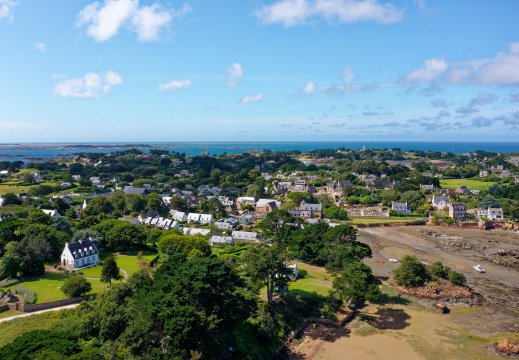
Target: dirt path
{"x":38,"y":312}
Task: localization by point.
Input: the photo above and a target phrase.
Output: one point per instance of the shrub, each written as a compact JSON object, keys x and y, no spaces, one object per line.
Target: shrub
{"x":411,"y":273}
{"x":76,"y":286}
{"x":438,"y":270}
{"x":55,"y":266}
{"x":29,"y":296}
{"x":457,"y":278}
{"x":139,"y":255}
{"x":80,"y":272}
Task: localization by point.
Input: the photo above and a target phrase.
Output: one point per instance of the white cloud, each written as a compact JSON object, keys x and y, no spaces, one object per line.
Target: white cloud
{"x":5,"y":9}
{"x":90,"y":86}
{"x":236,"y":72}
{"x":39,"y":47}
{"x":175,"y":84}
{"x":252,"y":98}
{"x":104,"y":20}
{"x":297,"y":12}
{"x":501,"y":70}
{"x":431,"y":69}
{"x":309,"y":88}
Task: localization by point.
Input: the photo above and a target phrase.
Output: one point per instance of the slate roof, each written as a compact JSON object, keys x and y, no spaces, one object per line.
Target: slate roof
{"x":135,"y":190}
{"x":80,"y":248}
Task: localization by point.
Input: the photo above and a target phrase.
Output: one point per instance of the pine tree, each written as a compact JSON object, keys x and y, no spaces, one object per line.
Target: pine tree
{"x":110,"y":271}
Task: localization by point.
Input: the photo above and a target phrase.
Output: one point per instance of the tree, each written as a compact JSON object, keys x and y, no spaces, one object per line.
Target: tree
{"x":76,"y":168}
{"x":61,"y":205}
{"x":356,"y":283}
{"x":10,"y":266}
{"x":266,"y":266}
{"x":61,"y":224}
{"x":99,"y":205}
{"x":457,"y":278}
{"x":123,"y":235}
{"x":85,"y":234}
{"x":11,"y":199}
{"x":179,"y":204}
{"x":9,"y":230}
{"x":154,"y":202}
{"x":28,"y":178}
{"x":488,"y":202}
{"x":276,"y":221}
{"x":37,"y":216}
{"x":110,"y":271}
{"x":76,"y":286}
{"x":495,"y":189}
{"x":438,"y":270}
{"x":184,"y":244}
{"x":411,"y":273}
{"x":411,"y":197}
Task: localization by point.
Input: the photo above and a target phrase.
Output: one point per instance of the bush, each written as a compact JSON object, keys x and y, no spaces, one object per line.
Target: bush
{"x":438,"y":270}
{"x":411,"y":273}
{"x":457,"y":278}
{"x":76,"y":286}
{"x":29,"y":296}
{"x":55,"y":266}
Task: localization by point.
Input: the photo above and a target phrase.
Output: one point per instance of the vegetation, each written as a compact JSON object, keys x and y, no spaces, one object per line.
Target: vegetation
{"x":76,"y":286}
{"x":110,"y":271}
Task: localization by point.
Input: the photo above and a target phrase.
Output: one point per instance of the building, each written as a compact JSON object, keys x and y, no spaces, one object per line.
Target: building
{"x":265,"y":206}
{"x":195,"y":231}
{"x":462,"y":189}
{"x":495,"y":214}
{"x":178,"y":215}
{"x":295,"y":271}
{"x":401,"y":208}
{"x":246,"y":219}
{"x":135,"y":190}
{"x":53,"y":213}
{"x":440,"y":202}
{"x":458,"y":211}
{"x":246,"y":236}
{"x":221,"y":240}
{"x":79,"y":255}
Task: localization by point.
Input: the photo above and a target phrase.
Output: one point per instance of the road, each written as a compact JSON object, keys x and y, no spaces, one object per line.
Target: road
{"x":38,"y":312}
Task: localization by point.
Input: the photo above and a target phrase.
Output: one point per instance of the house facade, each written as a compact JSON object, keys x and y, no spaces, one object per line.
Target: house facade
{"x":401,"y":208}
{"x":458,"y":211}
{"x":79,"y":255}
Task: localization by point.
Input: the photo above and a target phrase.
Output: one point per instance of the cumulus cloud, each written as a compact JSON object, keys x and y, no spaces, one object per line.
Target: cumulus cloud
{"x":483,"y":99}
{"x":39,"y":47}
{"x":430,"y":70}
{"x":235,"y":72}
{"x":5,"y":9}
{"x":90,"y":86}
{"x":252,"y":98}
{"x":481,"y":121}
{"x":376,"y":113}
{"x":175,"y":84}
{"x":300,"y":12}
{"x":104,"y":20}
{"x":309,"y":88}
{"x":514,"y":120}
{"x":466,"y":110}
{"x":500,"y":70}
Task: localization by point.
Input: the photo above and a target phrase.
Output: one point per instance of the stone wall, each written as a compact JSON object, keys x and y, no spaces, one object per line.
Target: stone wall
{"x":3,"y":308}
{"x":53,"y":304}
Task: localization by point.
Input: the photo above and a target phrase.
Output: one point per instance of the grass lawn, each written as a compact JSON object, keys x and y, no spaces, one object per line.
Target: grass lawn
{"x":12,"y":329}
{"x":126,"y":261}
{"x":47,"y":286}
{"x":471,"y":184}
{"x":17,"y":187}
{"x":313,"y":282}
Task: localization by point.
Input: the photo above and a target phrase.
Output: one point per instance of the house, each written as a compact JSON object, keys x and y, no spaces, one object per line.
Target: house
{"x":37,"y":177}
{"x":295,"y":271}
{"x":206,"y":219}
{"x":178,"y":215}
{"x":244,"y":200}
{"x":476,"y":192}
{"x":440,"y":202}
{"x":426,"y":187}
{"x":246,"y":236}
{"x":495,"y":214}
{"x":483,"y":173}
{"x":79,"y":255}
{"x":5,"y":172}
{"x":85,"y":203}
{"x":223,"y":225}
{"x":3,"y":217}
{"x":427,"y":175}
{"x":134,"y":221}
{"x":53,"y":213}
{"x":135,"y":190}
{"x":194,"y":231}
{"x":23,"y":196}
{"x":76,"y":177}
{"x":66,"y":184}
{"x":480,"y":212}
{"x":462,"y":189}
{"x":314,"y":209}
{"x":221,"y":240}
{"x":401,"y":208}
{"x":458,"y":211}
{"x":246,"y":220}
{"x":193,"y":217}
{"x":265,"y":206}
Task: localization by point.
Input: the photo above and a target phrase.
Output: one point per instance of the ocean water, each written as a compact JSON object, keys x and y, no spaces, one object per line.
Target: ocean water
{"x":196,"y":148}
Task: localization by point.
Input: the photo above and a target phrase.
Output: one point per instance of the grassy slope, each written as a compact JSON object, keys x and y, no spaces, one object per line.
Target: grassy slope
{"x":313,"y":282}
{"x":469,"y":183}
{"x":47,"y":286}
{"x":12,"y":329}
{"x":126,"y":261}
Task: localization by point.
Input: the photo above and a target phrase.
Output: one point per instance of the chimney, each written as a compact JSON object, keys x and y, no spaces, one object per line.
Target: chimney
{"x":81,"y":242}
{"x":66,"y":244}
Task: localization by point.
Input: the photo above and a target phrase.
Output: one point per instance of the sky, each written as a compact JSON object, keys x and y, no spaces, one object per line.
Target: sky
{"x":257,"y":70}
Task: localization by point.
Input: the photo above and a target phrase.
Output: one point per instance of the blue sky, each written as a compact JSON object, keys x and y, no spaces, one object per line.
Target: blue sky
{"x":229,"y":70}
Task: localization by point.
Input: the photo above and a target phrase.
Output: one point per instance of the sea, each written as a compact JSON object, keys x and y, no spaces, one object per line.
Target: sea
{"x":196,"y":148}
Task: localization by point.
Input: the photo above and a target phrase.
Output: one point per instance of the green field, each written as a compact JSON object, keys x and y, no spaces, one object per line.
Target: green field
{"x":471,"y":184}
{"x":17,"y":187}
{"x":313,"y":282}
{"x":10,"y":330}
{"x":126,"y":261}
{"x":47,"y":286}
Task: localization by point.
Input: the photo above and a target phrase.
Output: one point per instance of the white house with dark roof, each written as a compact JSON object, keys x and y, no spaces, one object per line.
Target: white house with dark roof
{"x":401,"y":208}
{"x":440,"y":202}
{"x":495,"y":214}
{"x":79,"y":255}
{"x":53,"y":213}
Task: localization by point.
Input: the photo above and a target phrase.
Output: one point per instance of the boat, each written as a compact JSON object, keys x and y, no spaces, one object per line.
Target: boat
{"x":478,"y":268}
{"x":393,"y":260}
